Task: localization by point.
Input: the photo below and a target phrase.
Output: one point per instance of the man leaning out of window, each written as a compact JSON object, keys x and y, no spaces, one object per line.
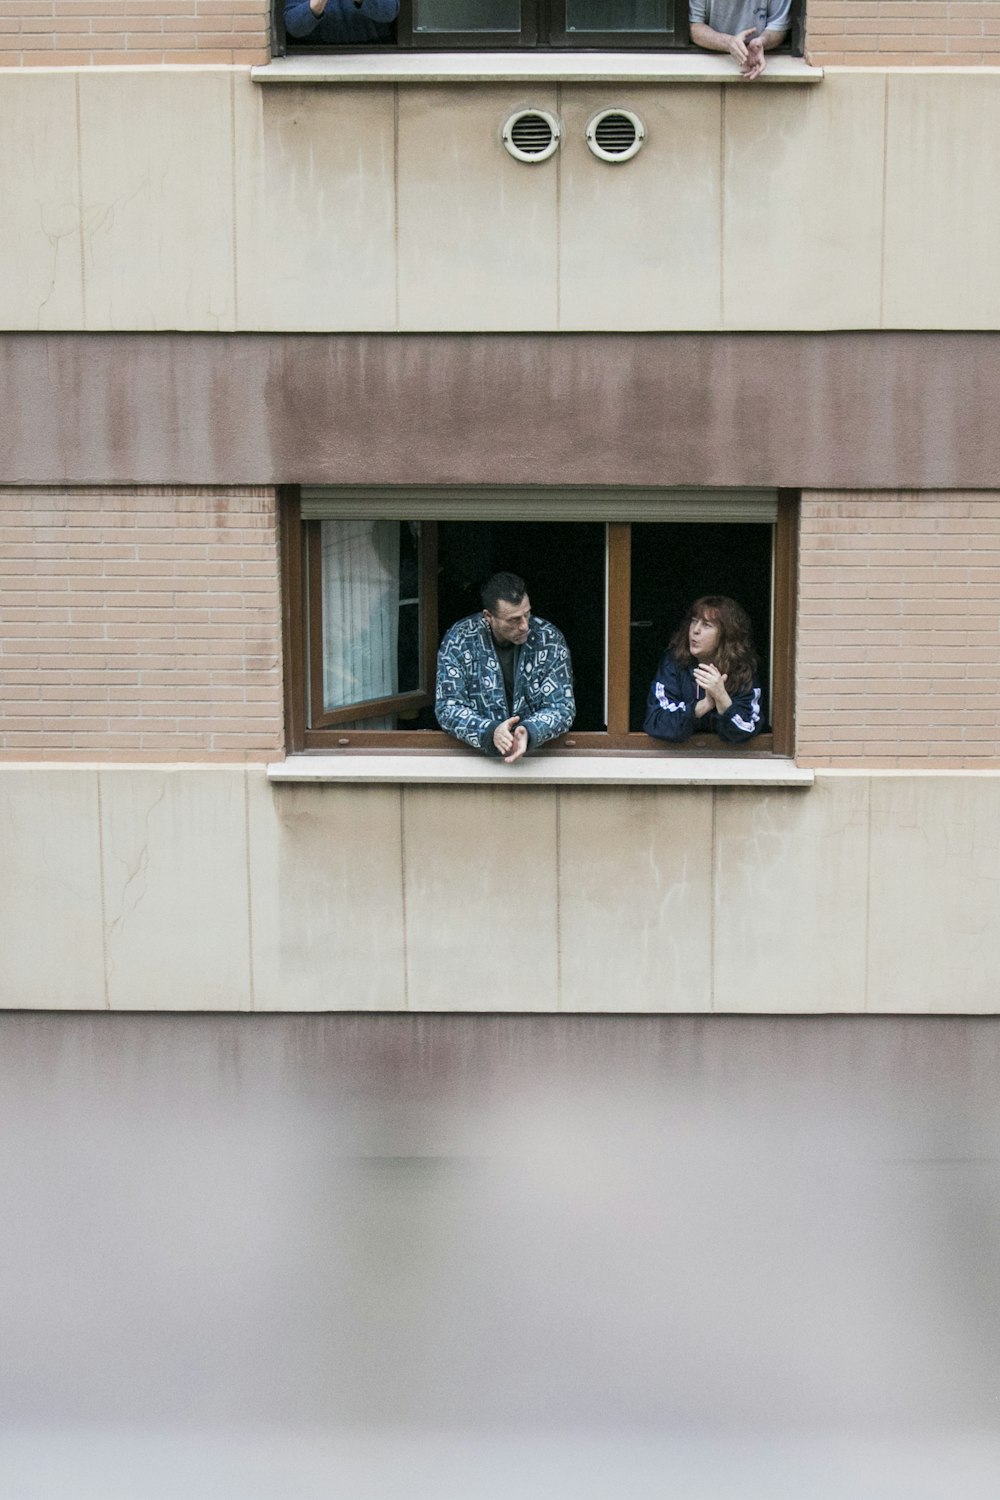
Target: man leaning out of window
{"x":746,"y":29}
{"x":334,"y":23}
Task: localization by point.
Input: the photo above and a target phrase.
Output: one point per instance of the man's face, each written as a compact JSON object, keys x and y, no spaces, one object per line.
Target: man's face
{"x":511,"y":621}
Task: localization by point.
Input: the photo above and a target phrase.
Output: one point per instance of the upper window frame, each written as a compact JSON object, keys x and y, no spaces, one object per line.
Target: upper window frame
{"x":300,"y":636}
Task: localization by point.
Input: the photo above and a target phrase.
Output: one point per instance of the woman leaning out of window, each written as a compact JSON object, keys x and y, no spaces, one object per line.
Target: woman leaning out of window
{"x":707,"y":680}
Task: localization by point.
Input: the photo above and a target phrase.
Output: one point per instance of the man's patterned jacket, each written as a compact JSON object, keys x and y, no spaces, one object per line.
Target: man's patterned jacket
{"x":471,"y":701}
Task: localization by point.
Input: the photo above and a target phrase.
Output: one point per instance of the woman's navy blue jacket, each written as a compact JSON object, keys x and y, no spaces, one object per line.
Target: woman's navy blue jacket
{"x":673,"y":694}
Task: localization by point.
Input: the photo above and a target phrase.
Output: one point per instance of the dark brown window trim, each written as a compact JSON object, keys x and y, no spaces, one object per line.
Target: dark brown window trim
{"x":304,"y":738}
{"x":542,"y":30}
{"x":558,"y":39}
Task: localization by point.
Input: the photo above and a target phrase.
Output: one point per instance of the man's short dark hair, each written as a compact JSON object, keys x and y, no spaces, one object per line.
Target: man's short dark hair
{"x":505,"y":586}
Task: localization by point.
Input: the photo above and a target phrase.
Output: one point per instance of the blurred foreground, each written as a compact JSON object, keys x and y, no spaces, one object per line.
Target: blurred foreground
{"x":499,"y":1258}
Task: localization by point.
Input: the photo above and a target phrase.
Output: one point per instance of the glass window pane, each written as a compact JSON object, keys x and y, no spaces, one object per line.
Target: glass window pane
{"x":380,"y":721}
{"x":371,"y":610}
{"x":619,"y":15}
{"x":467,"y":15}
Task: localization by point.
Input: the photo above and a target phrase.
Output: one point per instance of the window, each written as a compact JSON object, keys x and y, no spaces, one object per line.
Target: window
{"x":477,"y":24}
{"x":556,"y":25}
{"x":369,"y":595}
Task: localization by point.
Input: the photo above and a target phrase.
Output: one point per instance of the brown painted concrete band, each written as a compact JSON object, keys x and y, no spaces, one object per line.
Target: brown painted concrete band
{"x":837,"y":410}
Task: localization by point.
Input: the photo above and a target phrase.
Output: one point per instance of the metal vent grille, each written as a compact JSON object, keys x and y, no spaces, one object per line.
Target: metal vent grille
{"x":615,"y":134}
{"x":531,"y":135}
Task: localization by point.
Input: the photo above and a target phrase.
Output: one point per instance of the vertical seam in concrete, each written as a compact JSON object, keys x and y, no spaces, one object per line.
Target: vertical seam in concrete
{"x":559,"y":983}
{"x":711,"y":910}
{"x":232,"y":199}
{"x":868,"y":895}
{"x":559,"y":212}
{"x":395,"y":199}
{"x":885,"y":190}
{"x":402,"y":897}
{"x":246,"y":848}
{"x":722,"y":209}
{"x":79,"y":199}
{"x":104,"y":916}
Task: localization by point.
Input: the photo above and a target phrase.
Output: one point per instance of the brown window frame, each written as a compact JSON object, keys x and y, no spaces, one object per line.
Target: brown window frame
{"x":543,"y":29}
{"x":303,"y":647}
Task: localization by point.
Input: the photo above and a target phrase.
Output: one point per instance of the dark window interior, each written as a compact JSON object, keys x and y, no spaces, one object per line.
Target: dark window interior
{"x":371,"y":599}
{"x":675,"y":563}
{"x":563,"y":566}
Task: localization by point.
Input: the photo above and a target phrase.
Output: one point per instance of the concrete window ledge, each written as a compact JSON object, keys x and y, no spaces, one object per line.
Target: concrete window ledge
{"x":535,"y":67}
{"x":544,"y":770}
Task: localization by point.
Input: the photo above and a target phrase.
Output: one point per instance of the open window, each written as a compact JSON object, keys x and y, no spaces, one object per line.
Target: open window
{"x":512,"y":25}
{"x":609,"y":26}
{"x":475,"y":25}
{"x":374,"y":579}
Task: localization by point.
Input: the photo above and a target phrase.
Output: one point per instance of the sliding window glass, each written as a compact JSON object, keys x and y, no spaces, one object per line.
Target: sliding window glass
{"x":563,"y":24}
{"x":372,"y":622}
{"x":431,"y":17}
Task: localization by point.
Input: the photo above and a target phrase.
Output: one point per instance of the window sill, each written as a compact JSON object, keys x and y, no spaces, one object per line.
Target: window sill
{"x":459,"y":767}
{"x":529,"y":67}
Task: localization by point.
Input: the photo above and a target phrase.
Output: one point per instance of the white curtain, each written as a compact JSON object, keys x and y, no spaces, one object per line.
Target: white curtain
{"x":360,"y":613}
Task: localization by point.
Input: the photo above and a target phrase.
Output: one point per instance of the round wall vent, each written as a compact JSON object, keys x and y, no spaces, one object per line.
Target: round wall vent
{"x":531,"y":134}
{"x":615,"y":134}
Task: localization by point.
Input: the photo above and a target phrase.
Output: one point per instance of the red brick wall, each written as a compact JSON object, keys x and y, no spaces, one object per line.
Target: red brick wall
{"x":903,"y":33}
{"x":75,"y":33}
{"x":898,"y":656}
{"x":139,"y":624}
{"x":146,"y":624}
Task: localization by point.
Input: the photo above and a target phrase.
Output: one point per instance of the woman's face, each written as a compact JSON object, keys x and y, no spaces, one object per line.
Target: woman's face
{"x":703,"y":638}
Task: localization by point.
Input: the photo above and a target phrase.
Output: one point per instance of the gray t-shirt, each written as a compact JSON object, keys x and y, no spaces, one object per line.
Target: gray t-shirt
{"x":733,"y":16}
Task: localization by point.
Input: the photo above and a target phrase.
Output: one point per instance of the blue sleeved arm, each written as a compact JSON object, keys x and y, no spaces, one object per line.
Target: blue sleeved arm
{"x":453,"y":706}
{"x":299,"y":19}
{"x":552,"y":691}
{"x":741,"y":719}
{"x":301,"y":22}
{"x":778,"y":15}
{"x":669,"y":713}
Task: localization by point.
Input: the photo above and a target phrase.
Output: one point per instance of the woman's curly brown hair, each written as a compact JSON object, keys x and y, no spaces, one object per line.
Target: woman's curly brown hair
{"x":735,"y":656}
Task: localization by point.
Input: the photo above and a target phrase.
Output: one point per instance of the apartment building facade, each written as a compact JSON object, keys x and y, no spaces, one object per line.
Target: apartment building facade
{"x":294,"y":344}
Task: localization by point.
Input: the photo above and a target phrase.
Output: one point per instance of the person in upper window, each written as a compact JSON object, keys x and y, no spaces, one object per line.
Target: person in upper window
{"x":332,"y":23}
{"x":746,"y":29}
{"x":707,"y":681}
{"x":504,"y":677}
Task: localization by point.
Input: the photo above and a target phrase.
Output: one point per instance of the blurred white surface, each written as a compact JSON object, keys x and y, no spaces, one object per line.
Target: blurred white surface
{"x":286,"y":1258}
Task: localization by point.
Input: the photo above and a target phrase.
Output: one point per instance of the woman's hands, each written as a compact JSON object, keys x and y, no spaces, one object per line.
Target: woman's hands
{"x":713,"y":684}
